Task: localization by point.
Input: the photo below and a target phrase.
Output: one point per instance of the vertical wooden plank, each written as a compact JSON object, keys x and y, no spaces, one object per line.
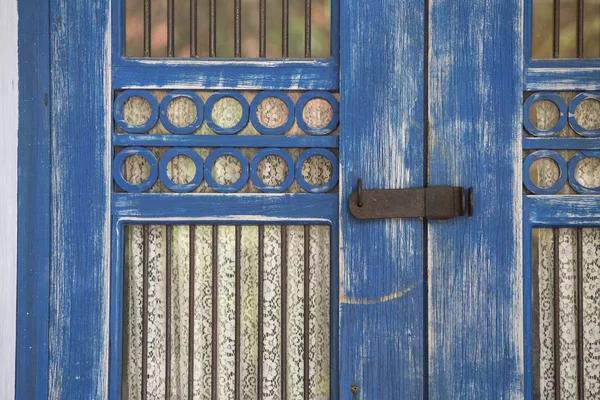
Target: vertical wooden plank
{"x":80,"y":222}
{"x":475,"y":332}
{"x":33,"y":240}
{"x":381,"y":267}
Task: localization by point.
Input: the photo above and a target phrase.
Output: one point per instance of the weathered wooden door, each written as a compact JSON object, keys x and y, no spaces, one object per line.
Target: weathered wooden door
{"x":185,"y":187}
{"x":431,"y":96}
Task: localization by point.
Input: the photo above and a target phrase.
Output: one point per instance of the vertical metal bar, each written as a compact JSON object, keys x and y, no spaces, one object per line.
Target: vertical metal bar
{"x":237,"y":28}
{"x":556,"y":246}
{"x":556,"y":29}
{"x":306,"y":311}
{"x":215,"y":321}
{"x":193,"y":28}
{"x":307,"y":28}
{"x":262,"y":28}
{"x":580,"y":6}
{"x":191,"y":311}
{"x":147,"y":28}
{"x":580,"y":377}
{"x":284,"y":273}
{"x":145,"y":247}
{"x":261,"y":276}
{"x":169,"y":251}
{"x":238,"y":309}
{"x":285,"y":28}
{"x":212,"y":28}
{"x":170,"y":28}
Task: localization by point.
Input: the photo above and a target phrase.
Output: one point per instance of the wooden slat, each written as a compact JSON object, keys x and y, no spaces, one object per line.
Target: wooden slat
{"x":574,"y":210}
{"x":33,"y":201}
{"x":227,"y":74}
{"x":225,"y":141}
{"x":292,"y":208}
{"x":562,"y":76}
{"x":475,"y":288}
{"x":382,"y":297}
{"x":80,"y":246}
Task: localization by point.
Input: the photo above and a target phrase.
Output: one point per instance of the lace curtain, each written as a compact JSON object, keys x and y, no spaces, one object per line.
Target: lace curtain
{"x":545,"y":173}
{"x":227,"y":169}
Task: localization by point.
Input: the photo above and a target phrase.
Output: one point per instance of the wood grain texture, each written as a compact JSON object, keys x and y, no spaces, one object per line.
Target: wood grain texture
{"x":381,"y":261}
{"x":80,"y":220}
{"x":475,"y":285}
{"x":34,"y":201}
{"x":227,"y":74}
{"x":8,"y":196}
{"x":549,"y":211}
{"x":557,"y":143}
{"x":225,"y":141}
{"x":553,"y":77}
{"x":299,"y":207}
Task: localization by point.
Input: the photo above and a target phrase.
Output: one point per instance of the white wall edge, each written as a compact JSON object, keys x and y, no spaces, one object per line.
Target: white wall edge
{"x":9,"y":116}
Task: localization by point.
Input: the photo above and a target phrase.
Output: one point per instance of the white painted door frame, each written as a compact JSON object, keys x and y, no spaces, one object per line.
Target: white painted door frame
{"x":9,"y":115}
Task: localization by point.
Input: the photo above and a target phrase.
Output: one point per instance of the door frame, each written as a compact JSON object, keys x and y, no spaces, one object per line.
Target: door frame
{"x":31,"y":367}
{"x":44,"y":366}
{"x":9,"y":111}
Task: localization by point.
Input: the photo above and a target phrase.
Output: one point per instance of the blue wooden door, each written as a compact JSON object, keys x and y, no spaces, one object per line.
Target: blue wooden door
{"x":188,"y":181}
{"x":431,"y":97}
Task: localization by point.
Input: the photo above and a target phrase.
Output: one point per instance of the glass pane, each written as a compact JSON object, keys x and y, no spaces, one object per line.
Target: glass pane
{"x":320,"y":26}
{"x":566,"y":336}
{"x":224,"y":308}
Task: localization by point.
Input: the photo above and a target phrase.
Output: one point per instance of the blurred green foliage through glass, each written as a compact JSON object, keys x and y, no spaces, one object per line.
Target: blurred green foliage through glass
{"x":320,"y":22}
{"x":543,"y":28}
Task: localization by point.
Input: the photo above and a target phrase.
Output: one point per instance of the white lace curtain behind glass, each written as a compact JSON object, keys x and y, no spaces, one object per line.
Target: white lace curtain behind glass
{"x":226,"y":171}
{"x":545,"y":173}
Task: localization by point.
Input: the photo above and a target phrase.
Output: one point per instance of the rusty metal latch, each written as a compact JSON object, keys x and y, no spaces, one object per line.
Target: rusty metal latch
{"x":436,"y":202}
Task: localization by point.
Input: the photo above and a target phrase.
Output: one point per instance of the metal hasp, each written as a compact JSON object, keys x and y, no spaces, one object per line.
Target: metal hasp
{"x":437,"y":202}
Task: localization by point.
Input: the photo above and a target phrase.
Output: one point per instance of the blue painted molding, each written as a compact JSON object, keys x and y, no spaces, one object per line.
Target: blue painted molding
{"x":119,"y":114}
{"x":572,"y":78}
{"x":560,"y":104}
{"x":164,"y":167}
{"x":250,"y":141}
{"x":546,"y":154}
{"x":81,"y":185}
{"x":164,"y":106}
{"x":559,"y":143}
{"x":276,"y":207}
{"x":317,"y":131}
{"x":242,"y":102}
{"x":254,"y":107}
{"x":244,"y":169}
{"x":289,"y":162}
{"x":118,"y":168}
{"x":34,"y":166}
{"x":227,"y":74}
{"x":554,"y":211}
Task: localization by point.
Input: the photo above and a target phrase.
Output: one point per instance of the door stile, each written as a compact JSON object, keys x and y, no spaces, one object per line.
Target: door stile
{"x":381,"y":261}
{"x":33,"y":226}
{"x":475,"y":265}
{"x":80,"y":219}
